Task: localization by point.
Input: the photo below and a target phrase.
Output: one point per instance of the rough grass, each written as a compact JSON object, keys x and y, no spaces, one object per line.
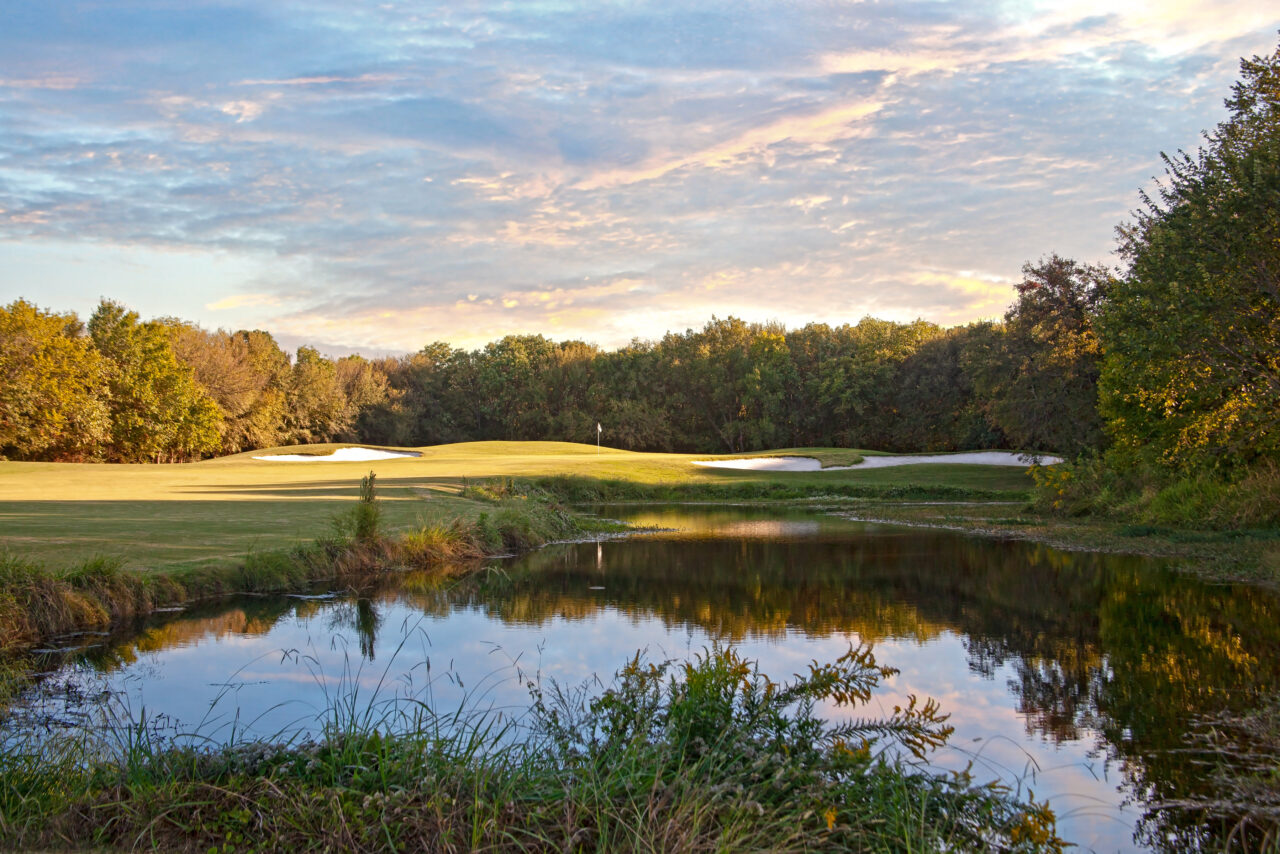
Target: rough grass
{"x":1212,"y":501}
{"x":706,"y":756}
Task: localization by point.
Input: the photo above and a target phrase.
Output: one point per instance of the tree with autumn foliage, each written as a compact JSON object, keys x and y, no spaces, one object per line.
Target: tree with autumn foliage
{"x":52,"y":386}
{"x":158,"y":412}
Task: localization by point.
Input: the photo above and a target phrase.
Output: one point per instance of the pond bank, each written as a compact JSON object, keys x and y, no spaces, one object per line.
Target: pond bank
{"x":1249,"y":556}
{"x":39,"y":602}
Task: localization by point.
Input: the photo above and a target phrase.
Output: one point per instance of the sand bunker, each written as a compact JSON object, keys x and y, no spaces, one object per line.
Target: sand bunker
{"x":981,"y":458}
{"x":342,"y":455}
{"x":764,"y":464}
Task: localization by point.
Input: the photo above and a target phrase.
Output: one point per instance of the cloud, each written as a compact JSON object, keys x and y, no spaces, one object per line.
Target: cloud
{"x":818,"y":128}
{"x":243,"y":301}
{"x":50,"y":81}
{"x":405,"y":174}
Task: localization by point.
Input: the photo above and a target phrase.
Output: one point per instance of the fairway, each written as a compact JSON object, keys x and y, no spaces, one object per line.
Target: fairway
{"x":214,"y":512}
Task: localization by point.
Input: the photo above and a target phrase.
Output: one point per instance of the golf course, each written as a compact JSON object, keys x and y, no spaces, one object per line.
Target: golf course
{"x":215,"y":512}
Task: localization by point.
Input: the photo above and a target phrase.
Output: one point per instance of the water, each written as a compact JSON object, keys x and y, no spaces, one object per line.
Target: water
{"x":1074,"y":675}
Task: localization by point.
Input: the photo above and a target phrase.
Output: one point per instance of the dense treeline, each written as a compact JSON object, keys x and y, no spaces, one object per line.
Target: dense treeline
{"x":1190,"y":381}
{"x":118,"y":388}
{"x":1167,"y":374}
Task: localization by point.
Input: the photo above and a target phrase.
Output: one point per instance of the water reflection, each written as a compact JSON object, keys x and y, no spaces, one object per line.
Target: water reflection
{"x":1095,"y":664}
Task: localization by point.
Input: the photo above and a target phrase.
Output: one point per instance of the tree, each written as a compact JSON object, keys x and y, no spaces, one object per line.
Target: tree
{"x":158,"y":411}
{"x":1191,"y":376}
{"x":730,"y":381}
{"x":245,"y":373}
{"x":316,"y":405}
{"x":1040,"y":379}
{"x":933,"y":403}
{"x":52,"y":386}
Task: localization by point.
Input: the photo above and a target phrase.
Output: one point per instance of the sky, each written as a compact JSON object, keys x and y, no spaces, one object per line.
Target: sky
{"x":374,"y":177}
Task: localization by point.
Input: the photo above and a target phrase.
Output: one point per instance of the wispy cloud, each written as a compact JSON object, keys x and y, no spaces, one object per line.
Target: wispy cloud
{"x":398,"y":174}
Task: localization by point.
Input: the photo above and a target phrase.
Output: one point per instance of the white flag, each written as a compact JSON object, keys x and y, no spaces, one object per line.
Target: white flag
{"x":599,"y":429}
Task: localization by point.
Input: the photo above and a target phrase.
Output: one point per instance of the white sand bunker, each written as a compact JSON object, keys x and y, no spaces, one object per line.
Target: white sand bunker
{"x":342,"y":455}
{"x":981,"y":458}
{"x":764,"y":464}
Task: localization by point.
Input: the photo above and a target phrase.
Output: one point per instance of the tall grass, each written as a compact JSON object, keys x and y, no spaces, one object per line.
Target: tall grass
{"x":1230,"y":501}
{"x":707,"y":755}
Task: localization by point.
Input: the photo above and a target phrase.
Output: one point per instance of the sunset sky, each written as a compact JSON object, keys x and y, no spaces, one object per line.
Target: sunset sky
{"x":378,"y":176}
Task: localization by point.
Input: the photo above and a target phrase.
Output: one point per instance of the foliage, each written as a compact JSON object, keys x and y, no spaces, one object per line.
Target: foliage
{"x":179,"y":392}
{"x":720,"y":758}
{"x":245,"y":373}
{"x":1041,"y":376}
{"x":158,"y":412}
{"x":1246,"y":499}
{"x":361,"y":524}
{"x":1191,"y":376}
{"x":52,"y":386}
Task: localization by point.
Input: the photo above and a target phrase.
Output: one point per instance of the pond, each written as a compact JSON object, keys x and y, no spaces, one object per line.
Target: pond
{"x":1074,"y":675}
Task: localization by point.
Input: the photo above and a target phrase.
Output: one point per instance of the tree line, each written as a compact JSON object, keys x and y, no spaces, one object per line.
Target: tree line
{"x":1169,"y":365}
{"x":121,"y":389}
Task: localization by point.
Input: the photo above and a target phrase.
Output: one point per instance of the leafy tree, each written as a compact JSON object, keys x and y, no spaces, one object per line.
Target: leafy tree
{"x":509,"y":384}
{"x":634,"y":398}
{"x":245,"y":373}
{"x":731,"y":378}
{"x":316,"y":404}
{"x":853,"y":387}
{"x":423,"y":404}
{"x":158,"y":411}
{"x":933,"y":403}
{"x":1040,"y":379}
{"x":364,"y":384}
{"x":1191,"y":376}
{"x":52,"y":386}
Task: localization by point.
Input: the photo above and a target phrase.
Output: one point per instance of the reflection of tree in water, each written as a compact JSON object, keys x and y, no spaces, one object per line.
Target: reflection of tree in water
{"x":1097,"y":643}
{"x":360,"y":615}
{"x":241,"y":615}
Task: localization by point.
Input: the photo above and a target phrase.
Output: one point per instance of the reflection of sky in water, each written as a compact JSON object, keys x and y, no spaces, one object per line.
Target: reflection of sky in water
{"x":283,"y":679}
{"x":967,"y":621}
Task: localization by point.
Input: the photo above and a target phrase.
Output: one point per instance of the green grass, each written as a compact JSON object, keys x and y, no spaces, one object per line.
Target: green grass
{"x":40,"y":600}
{"x":210,"y":514}
{"x":707,"y":756}
{"x":87,"y":545}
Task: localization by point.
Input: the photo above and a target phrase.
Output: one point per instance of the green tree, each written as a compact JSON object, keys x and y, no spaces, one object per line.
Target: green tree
{"x":158,"y":412}
{"x":1191,"y":376}
{"x":933,"y":403}
{"x":1040,"y":379}
{"x":52,"y":386}
{"x":731,"y":380}
{"x":316,"y":407}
